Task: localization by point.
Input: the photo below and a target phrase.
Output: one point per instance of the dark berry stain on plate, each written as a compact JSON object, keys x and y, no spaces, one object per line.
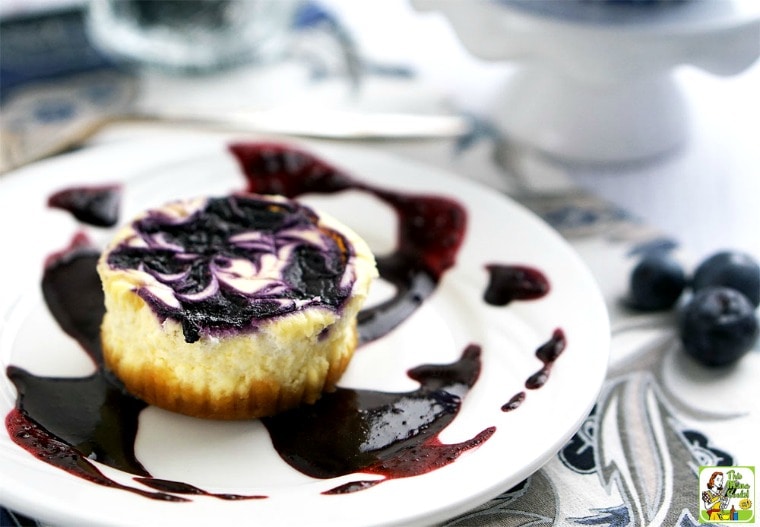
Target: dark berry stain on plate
{"x":95,"y":205}
{"x":508,"y":283}
{"x":71,"y":422}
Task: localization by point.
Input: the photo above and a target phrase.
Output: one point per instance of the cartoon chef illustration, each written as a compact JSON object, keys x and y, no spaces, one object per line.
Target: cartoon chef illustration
{"x":715,"y":497}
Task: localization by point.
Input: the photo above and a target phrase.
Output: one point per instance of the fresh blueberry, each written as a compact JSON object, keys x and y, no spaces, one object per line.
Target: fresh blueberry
{"x":717,"y":326}
{"x":656,"y":283}
{"x":732,"y":269}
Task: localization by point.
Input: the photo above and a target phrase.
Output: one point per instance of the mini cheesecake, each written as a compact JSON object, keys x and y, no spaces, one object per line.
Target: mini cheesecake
{"x":232,"y":307}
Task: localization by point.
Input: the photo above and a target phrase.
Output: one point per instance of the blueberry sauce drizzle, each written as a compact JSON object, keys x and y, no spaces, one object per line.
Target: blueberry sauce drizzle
{"x":46,"y":447}
{"x":547,"y":353}
{"x":95,"y":205}
{"x":177,"y":487}
{"x":514,"y":403}
{"x":386,"y":435}
{"x":71,"y":289}
{"x":507,"y":283}
{"x":514,"y":282}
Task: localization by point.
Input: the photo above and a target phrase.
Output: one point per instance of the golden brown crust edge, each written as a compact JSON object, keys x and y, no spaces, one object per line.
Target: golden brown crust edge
{"x":159,"y":386}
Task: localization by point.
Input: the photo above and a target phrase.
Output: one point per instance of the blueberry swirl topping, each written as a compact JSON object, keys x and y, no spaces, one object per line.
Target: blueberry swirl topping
{"x":218,"y":265}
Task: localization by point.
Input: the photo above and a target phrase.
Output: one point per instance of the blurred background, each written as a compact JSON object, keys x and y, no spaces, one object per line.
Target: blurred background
{"x":634,"y":100}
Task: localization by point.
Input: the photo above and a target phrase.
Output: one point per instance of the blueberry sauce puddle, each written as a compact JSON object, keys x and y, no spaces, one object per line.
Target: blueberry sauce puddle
{"x":385,"y":435}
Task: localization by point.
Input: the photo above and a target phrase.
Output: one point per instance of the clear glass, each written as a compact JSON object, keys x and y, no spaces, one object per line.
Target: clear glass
{"x":191,"y":35}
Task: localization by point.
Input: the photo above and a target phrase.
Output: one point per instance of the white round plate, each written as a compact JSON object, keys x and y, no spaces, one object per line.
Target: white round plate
{"x":238,"y":457}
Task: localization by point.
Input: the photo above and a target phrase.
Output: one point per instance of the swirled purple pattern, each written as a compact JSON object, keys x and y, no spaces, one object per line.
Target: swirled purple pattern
{"x":223,"y":264}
